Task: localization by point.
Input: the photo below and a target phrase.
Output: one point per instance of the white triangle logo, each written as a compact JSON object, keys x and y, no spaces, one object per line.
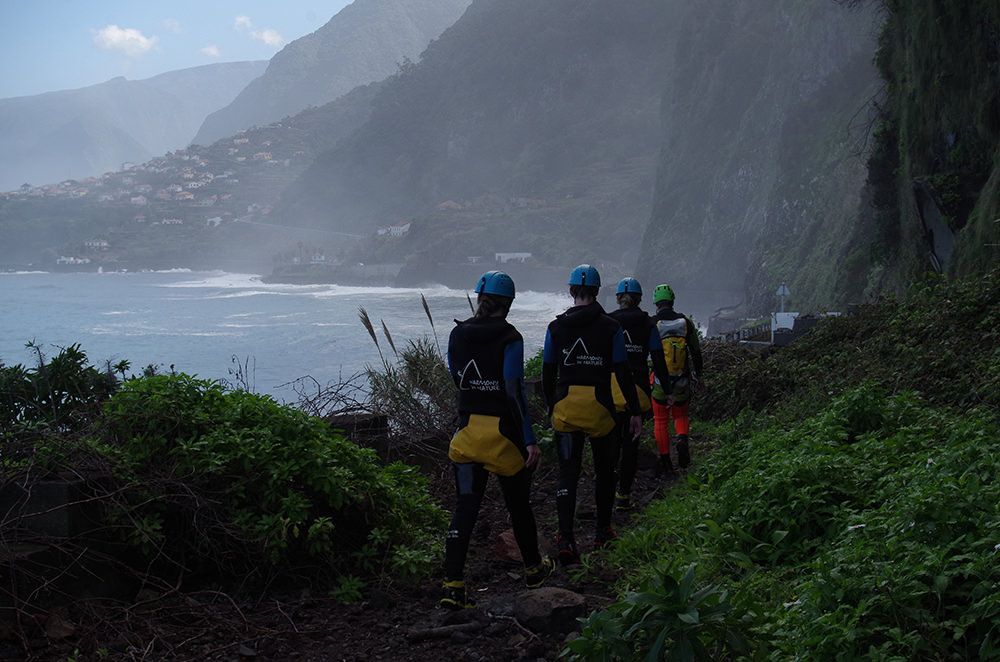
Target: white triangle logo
{"x":466,"y":374}
{"x":572,"y":353}
{"x":628,"y":338}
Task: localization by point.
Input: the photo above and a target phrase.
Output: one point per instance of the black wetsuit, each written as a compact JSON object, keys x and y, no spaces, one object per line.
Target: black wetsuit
{"x":486,"y":360}
{"x":583,"y":348}
{"x":641,"y":341}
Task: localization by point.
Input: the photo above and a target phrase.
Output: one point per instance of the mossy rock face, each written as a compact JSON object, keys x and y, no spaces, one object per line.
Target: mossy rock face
{"x":941,"y":65}
{"x":782,"y":169}
{"x":761,"y":175}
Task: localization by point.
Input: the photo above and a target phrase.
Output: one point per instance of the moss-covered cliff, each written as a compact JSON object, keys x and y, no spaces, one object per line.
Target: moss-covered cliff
{"x":936,"y":167}
{"x":761,"y":172}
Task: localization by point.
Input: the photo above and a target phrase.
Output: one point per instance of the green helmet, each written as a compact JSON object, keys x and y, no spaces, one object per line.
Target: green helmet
{"x":663,"y":293}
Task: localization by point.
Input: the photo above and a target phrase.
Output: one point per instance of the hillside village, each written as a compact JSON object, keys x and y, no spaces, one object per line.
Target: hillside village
{"x":188,"y":191}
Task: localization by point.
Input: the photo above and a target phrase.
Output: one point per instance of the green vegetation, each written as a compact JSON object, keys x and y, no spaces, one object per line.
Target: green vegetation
{"x":941,"y":127}
{"x":224,"y":482}
{"x":850,"y":508}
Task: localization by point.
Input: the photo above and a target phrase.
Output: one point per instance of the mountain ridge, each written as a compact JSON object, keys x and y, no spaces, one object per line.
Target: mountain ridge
{"x":116,"y":121}
{"x":361,"y":44}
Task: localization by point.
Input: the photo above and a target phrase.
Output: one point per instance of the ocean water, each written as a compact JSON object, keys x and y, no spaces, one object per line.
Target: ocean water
{"x":199,"y":321}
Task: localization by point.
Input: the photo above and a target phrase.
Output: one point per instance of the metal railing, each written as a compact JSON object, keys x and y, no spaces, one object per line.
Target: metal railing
{"x":762,"y":330}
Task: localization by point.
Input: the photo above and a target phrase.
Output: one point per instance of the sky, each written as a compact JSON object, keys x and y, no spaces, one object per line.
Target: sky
{"x":51,"y":45}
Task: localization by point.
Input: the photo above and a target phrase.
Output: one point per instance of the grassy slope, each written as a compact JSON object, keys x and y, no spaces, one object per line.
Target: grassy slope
{"x":851,"y":506}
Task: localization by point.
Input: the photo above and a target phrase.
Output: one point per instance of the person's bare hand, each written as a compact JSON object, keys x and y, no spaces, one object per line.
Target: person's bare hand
{"x":534,"y":457}
{"x":635,"y":426}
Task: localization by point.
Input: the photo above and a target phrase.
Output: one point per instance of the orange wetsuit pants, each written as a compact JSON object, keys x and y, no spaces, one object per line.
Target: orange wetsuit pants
{"x":662,"y":415}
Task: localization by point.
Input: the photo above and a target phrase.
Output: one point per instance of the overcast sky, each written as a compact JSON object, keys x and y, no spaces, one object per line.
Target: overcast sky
{"x":61,"y":44}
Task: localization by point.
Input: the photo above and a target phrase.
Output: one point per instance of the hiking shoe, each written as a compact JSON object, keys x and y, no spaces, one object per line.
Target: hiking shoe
{"x":536,"y":575}
{"x":664,"y":467}
{"x":604,"y":536}
{"x":455,"y":596}
{"x":566,"y":550}
{"x":683,"y":451}
{"x":623,"y":501}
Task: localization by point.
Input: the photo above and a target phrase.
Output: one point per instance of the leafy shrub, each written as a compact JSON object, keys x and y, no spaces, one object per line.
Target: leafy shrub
{"x":867,"y":530}
{"x":942,"y":339}
{"x":418,"y":395}
{"x":61,"y":394}
{"x":232,"y":481}
{"x":533,"y":365}
{"x":668,"y":618}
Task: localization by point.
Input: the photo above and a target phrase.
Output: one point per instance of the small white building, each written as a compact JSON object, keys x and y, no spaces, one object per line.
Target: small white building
{"x":96,"y":244}
{"x":517,"y":258}
{"x":139,"y":201}
{"x":399,"y":229}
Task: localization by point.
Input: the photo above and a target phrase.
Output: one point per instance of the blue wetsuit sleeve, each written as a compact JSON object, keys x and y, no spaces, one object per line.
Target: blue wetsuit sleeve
{"x":619,"y":353}
{"x":513,"y":375}
{"x":549,"y":370}
{"x":451,"y":366}
{"x":549,"y":350}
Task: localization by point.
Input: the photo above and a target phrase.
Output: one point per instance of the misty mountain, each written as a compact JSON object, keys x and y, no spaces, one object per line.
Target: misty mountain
{"x":526,"y":124}
{"x":236,"y":178}
{"x":766,"y":120}
{"x":365,"y":42}
{"x":87,"y":131}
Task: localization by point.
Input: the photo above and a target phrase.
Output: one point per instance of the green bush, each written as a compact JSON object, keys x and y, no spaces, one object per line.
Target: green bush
{"x":231,"y":481}
{"x":57,"y":395}
{"x":867,"y":530}
{"x":667,"y":618}
{"x":533,"y":365}
{"x":942,"y":339}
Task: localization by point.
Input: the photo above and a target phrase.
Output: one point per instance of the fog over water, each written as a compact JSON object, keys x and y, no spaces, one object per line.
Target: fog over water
{"x":198,"y":321}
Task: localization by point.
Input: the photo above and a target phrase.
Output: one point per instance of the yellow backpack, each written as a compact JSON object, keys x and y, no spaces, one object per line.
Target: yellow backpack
{"x":673,"y":335}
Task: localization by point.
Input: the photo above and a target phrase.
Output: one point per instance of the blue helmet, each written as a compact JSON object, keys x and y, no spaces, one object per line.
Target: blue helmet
{"x":496,"y":283}
{"x":585,"y":275}
{"x":629,"y":286}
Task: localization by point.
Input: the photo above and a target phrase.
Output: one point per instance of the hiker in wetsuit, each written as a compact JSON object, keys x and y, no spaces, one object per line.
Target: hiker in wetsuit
{"x":672,"y":396}
{"x":641,"y":341}
{"x":486,"y":360}
{"x":583,"y":348}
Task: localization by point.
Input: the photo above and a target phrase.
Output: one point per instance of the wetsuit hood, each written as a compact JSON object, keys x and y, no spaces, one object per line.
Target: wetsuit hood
{"x":481,"y":329}
{"x":578,"y":316}
{"x":629,"y":316}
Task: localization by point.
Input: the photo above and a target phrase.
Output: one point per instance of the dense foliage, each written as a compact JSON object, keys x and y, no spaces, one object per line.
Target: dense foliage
{"x":267,"y":479}
{"x":853,"y":518}
{"x":196,"y":476}
{"x":942,"y":339}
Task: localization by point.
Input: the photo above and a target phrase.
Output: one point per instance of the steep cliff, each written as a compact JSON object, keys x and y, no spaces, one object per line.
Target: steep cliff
{"x":526,"y":126}
{"x":763,"y":156}
{"x":936,"y":169}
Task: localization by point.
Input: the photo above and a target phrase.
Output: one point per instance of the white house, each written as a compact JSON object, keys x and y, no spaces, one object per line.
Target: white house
{"x":504,"y":258}
{"x":139,"y":201}
{"x":399,"y":229}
